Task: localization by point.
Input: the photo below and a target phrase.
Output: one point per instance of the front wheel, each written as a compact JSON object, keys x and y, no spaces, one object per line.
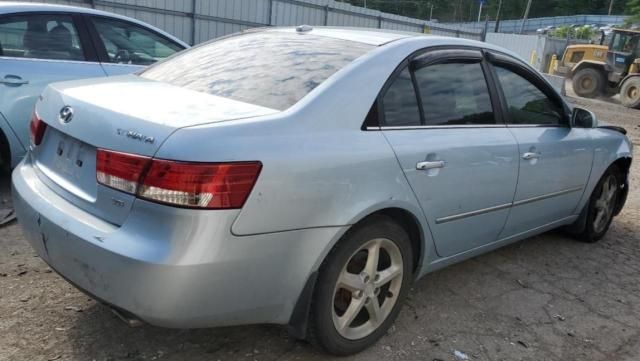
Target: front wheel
{"x":601,"y":207}
{"x":361,"y":286}
{"x":588,"y":83}
{"x":630,"y":93}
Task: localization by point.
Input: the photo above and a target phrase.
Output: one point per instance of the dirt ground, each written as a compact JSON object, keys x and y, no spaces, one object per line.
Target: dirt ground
{"x":545,"y":298}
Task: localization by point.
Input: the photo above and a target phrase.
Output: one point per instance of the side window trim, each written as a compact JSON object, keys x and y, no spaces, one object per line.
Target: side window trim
{"x":88,"y":47}
{"x":497,"y":59}
{"x":430,"y":56}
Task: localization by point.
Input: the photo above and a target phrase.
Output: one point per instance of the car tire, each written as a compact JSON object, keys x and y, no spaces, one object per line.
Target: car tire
{"x":588,"y":83}
{"x":348,"y":290}
{"x":630,"y":93}
{"x":601,"y":207}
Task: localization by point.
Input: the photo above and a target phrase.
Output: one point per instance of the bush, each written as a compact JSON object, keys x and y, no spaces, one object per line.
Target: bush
{"x":582,"y":32}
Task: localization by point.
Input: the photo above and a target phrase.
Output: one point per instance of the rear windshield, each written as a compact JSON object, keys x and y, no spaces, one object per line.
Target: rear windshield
{"x":271,"y":69}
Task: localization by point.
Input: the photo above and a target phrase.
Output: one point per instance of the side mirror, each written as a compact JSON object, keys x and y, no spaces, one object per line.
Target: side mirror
{"x":582,"y":118}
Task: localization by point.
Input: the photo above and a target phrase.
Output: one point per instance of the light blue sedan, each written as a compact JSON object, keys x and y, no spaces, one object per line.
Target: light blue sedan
{"x":306,"y":177}
{"x":41,"y":44}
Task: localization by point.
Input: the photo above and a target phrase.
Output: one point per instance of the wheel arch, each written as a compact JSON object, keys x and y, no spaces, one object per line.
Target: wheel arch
{"x":15,"y":150}
{"x":411,"y":225}
{"x":630,"y":76}
{"x":624,"y":165}
{"x":5,"y":150}
{"x":623,"y":162}
{"x":597,"y":65}
{"x":406,"y":216}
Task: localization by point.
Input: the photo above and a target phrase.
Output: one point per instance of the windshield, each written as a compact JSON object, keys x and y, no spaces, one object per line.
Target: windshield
{"x":270,"y":69}
{"x":625,"y":42}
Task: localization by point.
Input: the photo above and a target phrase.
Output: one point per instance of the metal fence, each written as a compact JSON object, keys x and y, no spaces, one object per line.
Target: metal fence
{"x":513,"y":26}
{"x":195,"y":21}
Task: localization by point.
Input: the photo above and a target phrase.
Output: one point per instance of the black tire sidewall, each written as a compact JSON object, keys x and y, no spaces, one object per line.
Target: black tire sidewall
{"x":597,"y":77}
{"x":630,"y":103}
{"x":323,"y":330}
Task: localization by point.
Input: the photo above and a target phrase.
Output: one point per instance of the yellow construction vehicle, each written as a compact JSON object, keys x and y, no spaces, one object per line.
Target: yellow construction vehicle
{"x":597,"y":70}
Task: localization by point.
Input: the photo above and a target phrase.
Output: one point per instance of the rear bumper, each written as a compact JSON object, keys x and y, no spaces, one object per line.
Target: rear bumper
{"x":170,"y":267}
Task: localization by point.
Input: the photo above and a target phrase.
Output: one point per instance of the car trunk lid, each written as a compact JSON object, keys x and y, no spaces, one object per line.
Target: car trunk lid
{"x":125,"y":114}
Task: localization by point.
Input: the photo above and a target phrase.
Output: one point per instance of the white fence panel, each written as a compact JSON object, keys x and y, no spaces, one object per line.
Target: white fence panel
{"x":523,"y":45}
{"x":195,"y":21}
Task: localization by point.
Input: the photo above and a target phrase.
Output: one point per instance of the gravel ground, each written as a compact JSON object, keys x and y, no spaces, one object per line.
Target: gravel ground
{"x":545,"y":298}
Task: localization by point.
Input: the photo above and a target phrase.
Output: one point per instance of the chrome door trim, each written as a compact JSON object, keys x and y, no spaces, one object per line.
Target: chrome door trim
{"x":456,"y":217}
{"x":48,"y":60}
{"x":537,"y":126}
{"x":549,"y":195}
{"x":438,"y":127}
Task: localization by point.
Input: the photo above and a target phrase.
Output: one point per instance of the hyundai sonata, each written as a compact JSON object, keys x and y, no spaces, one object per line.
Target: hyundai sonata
{"x":306,"y":176}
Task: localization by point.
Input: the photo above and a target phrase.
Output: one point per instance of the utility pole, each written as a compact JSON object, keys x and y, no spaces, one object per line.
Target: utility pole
{"x":526,"y":15}
{"x":480,"y":10}
{"x":498,"y":17}
{"x":365,"y":4}
{"x":610,"y":7}
{"x":431,"y":13}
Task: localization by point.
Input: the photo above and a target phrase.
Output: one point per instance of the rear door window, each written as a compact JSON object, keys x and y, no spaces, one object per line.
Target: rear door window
{"x":270,"y":69}
{"x":454,"y":93}
{"x":400,"y":103}
{"x":40,"y":36}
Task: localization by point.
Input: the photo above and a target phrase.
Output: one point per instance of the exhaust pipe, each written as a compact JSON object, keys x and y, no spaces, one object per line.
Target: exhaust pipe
{"x":126,"y":317}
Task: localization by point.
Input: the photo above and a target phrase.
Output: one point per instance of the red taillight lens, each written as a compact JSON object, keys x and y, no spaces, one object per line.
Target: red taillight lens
{"x":196,"y":185}
{"x":121,"y":171}
{"x":36,"y":128}
{"x":201,"y":185}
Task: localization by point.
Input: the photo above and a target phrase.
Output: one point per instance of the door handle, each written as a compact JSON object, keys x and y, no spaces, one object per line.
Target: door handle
{"x":530,"y":155}
{"x":431,"y":165}
{"x":13,"y":80}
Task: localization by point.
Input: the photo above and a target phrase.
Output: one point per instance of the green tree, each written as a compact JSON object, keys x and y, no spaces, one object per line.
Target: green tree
{"x":467,"y":10}
{"x":633,"y":9}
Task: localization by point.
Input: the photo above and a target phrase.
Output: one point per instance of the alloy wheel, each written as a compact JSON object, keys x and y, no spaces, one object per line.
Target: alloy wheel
{"x":605,"y":203}
{"x":367,"y":288}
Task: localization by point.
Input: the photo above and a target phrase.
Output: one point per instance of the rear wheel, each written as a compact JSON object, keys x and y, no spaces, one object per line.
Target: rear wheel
{"x":361,"y":287}
{"x":601,"y":207}
{"x":588,"y":83}
{"x":630,"y":93}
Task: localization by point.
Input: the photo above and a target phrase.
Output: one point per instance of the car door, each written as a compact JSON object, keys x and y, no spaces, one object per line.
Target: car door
{"x":457,"y":154}
{"x":38,"y":49}
{"x":125,"y":47}
{"x":555,"y":159}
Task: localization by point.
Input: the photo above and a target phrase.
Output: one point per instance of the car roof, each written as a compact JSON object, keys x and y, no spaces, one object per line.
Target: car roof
{"x":17,"y":7}
{"x":371,"y":36}
{"x":380,"y":37}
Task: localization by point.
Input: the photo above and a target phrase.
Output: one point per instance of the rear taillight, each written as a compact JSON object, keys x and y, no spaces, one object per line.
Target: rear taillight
{"x":184,"y":184}
{"x":36,"y":128}
{"x":121,"y":171}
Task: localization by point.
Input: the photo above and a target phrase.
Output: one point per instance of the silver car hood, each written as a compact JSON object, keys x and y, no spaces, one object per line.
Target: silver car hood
{"x":132,"y":114}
